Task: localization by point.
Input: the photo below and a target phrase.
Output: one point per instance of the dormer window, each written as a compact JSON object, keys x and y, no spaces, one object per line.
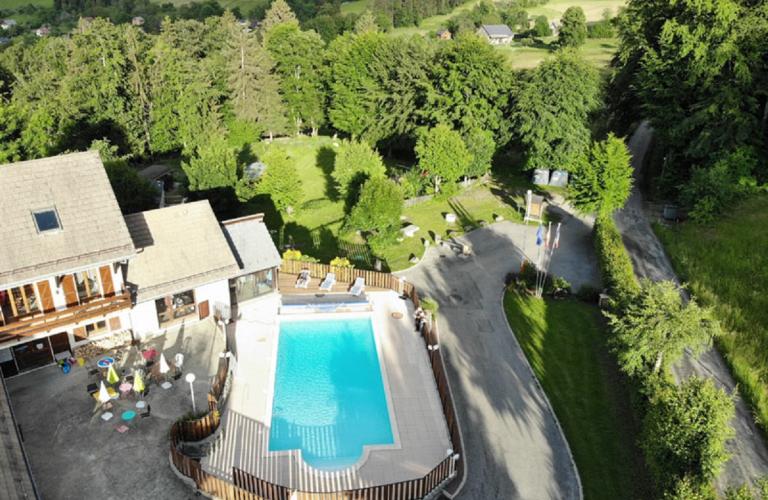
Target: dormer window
{"x":46,"y":220}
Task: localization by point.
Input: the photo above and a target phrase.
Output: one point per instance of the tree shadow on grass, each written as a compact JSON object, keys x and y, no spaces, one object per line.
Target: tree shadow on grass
{"x":465,"y":218}
{"x":326,"y":160}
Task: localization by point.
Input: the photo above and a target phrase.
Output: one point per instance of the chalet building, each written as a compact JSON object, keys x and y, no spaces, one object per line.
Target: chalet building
{"x":63,"y":248}
{"x":137,"y":21}
{"x":74,"y":270}
{"x":182,"y":268}
{"x":444,"y":34}
{"x":496,"y":34}
{"x":257,"y":258}
{"x":8,"y":24}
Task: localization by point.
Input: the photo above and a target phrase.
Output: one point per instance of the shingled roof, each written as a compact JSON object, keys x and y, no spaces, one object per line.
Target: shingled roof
{"x":92,"y":230}
{"x":251,"y":243}
{"x":497,"y":30}
{"x":178,"y":248}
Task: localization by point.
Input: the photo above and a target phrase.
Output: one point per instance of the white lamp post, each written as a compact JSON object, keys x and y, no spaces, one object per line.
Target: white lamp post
{"x":191,"y":379}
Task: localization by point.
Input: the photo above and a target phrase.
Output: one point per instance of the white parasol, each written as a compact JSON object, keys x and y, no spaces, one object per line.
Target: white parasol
{"x":103,"y":394}
{"x":164,"y":368}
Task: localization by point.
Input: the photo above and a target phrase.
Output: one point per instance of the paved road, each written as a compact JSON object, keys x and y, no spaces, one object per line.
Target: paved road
{"x":513,"y":447}
{"x":749,"y":459}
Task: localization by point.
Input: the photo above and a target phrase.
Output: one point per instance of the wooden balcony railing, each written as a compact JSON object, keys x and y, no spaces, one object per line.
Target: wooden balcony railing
{"x":59,"y":319}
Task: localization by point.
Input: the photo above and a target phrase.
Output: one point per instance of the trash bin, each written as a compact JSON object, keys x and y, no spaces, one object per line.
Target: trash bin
{"x":65,"y":367}
{"x":670,"y":212}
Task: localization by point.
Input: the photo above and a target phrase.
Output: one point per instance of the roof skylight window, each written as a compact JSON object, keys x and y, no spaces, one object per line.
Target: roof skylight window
{"x":46,"y":220}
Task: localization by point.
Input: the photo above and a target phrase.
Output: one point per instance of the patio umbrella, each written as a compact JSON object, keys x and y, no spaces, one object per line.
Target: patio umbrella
{"x":164,"y":368}
{"x":103,"y":394}
{"x":138,"y":383}
{"x":112,"y":376}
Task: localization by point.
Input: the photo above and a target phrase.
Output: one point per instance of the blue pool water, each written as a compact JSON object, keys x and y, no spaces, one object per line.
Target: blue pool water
{"x":329,"y":396}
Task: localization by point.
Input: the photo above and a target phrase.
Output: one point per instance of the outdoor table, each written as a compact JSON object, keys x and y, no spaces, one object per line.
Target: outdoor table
{"x":125,"y":389}
{"x":141,"y":404}
{"x":110,"y":391}
{"x":154,"y":372}
{"x":105,"y":362}
{"x":128,"y":417}
{"x":149,"y":354}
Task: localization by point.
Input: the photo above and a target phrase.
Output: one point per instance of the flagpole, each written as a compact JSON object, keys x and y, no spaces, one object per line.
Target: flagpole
{"x":525,"y":230}
{"x":555,"y":244}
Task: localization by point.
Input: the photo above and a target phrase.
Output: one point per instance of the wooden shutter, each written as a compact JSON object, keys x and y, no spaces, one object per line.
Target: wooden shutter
{"x":114,"y":324}
{"x":107,"y":286}
{"x":80,"y":334}
{"x":203,"y":309}
{"x":46,"y":299}
{"x":70,"y":291}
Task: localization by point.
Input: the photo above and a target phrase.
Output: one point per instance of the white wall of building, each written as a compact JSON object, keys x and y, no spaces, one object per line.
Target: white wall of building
{"x":144,"y":319}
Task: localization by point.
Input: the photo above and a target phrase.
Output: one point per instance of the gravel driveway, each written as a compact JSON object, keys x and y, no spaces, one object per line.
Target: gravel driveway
{"x":514,"y":448}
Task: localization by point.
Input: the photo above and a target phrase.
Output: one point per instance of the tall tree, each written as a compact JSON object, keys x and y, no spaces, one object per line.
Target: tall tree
{"x":553,"y":125}
{"x":278,"y":13}
{"x":214,"y":165}
{"x":442,"y":155}
{"x":355,"y":163}
{"x":573,"y":32}
{"x":481,"y":147}
{"x":602,"y":179}
{"x":280,"y":180}
{"x":471,"y":83}
{"x":379,"y":207}
{"x":254,"y":89}
{"x":300,"y":64}
{"x":656,"y":327}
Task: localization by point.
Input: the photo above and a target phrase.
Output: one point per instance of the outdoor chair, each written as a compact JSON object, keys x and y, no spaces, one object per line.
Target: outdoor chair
{"x":146,"y":414}
{"x":145,"y":392}
{"x":149,"y":365}
{"x":328,"y":282}
{"x":92,"y":389}
{"x":304,"y":279}
{"x":357,"y":287}
{"x":177,"y":376}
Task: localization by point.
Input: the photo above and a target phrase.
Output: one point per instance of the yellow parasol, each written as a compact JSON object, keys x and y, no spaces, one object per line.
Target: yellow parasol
{"x":112,"y":376}
{"x":138,"y":383}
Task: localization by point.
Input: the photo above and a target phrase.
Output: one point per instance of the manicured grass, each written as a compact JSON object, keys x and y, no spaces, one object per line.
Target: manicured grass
{"x":315,"y":228}
{"x":357,"y":7}
{"x":564,"y":341}
{"x":593,"y":9}
{"x":598,"y":51}
{"x":726,"y":266}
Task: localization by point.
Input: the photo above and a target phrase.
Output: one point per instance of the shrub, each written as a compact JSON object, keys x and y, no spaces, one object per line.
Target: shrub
{"x":616,"y":271}
{"x":430,"y":305}
{"x":292,"y":254}
{"x":588,"y":293}
{"x":341,"y":262}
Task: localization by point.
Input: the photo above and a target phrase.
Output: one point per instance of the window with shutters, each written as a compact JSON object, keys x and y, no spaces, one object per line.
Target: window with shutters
{"x":18,"y":301}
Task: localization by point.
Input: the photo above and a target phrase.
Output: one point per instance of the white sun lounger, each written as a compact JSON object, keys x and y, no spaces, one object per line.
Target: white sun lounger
{"x":328,"y":282}
{"x":357,"y":287}
{"x":304,"y":279}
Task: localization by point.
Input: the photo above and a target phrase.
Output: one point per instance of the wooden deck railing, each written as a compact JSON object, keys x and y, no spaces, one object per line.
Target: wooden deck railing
{"x":57,"y":319}
{"x":448,"y":473}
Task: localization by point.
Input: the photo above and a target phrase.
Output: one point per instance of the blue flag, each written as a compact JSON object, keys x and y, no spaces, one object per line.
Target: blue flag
{"x":540,"y":235}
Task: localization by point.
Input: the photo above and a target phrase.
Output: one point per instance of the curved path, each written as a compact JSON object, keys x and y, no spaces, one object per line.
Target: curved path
{"x":749,"y":460}
{"x":514,"y":449}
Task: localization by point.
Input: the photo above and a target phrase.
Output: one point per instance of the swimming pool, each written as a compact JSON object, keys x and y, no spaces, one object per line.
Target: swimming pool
{"x":329,"y":398}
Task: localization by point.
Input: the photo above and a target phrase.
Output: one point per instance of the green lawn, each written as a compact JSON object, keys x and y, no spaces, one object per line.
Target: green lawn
{"x":357,"y":7}
{"x":314,"y":229}
{"x":593,"y":9}
{"x":564,"y":341}
{"x":598,"y":51}
{"x":13,"y":4}
{"x":730,"y":273}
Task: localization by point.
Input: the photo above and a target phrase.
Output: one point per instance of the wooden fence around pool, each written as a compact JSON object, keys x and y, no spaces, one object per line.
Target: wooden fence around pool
{"x":447,"y":475}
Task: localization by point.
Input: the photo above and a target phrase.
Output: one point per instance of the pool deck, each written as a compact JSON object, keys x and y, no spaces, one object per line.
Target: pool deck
{"x":419,"y":428}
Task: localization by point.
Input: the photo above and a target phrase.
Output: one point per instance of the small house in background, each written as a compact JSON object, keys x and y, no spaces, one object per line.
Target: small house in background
{"x":254,"y":170}
{"x":496,"y":34}
{"x":555,"y":27}
{"x":444,"y":34}
{"x":8,"y":24}
{"x":137,"y":21}
{"x":43,"y":31}
{"x":5,"y":39}
{"x":88,"y":20}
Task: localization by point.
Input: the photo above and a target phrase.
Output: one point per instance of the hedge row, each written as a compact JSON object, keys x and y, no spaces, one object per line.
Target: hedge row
{"x":616,"y":271}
